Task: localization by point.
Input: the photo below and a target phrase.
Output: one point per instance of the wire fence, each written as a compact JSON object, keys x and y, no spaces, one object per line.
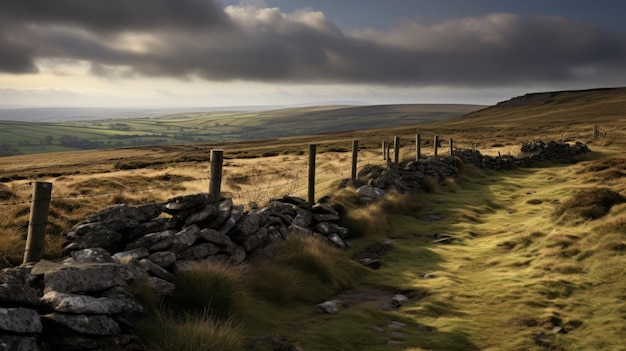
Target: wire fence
{"x":247,"y":182}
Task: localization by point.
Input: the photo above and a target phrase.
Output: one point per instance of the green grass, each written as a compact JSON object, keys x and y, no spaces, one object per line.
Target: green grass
{"x":31,"y":138}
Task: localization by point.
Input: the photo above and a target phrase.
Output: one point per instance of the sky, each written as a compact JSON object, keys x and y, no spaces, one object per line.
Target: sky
{"x":206,"y":53}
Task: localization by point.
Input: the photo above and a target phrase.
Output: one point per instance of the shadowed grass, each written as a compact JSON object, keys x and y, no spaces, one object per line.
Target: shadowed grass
{"x":217,"y":288}
{"x":163,"y":332}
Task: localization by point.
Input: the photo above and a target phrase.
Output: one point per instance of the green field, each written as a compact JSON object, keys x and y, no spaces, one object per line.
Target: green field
{"x":35,"y":137}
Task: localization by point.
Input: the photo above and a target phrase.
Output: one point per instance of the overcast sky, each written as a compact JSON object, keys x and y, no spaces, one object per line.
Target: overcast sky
{"x":184,"y":53}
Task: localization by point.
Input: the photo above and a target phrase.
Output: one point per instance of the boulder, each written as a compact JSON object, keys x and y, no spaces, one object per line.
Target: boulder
{"x":369,"y":194}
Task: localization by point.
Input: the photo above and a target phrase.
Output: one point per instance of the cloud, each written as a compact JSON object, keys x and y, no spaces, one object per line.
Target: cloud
{"x":200,"y":39}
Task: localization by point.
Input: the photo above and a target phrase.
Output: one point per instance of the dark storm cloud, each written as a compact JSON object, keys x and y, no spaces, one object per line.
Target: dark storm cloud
{"x":116,"y":15}
{"x":193,"y":38}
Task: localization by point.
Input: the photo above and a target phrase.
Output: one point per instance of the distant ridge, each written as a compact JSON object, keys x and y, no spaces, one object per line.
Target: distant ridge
{"x":557,"y":96}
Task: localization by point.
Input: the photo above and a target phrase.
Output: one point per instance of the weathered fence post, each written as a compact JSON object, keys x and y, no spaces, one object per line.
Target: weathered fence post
{"x":418,"y":147}
{"x":388,"y":155}
{"x":384,"y":150}
{"x":311,"y":192}
{"x":451,"y":146}
{"x":355,"y":153}
{"x":396,"y":150}
{"x":215,"y":177}
{"x":436,"y":145}
{"x":595,"y":131}
{"x":38,"y":221}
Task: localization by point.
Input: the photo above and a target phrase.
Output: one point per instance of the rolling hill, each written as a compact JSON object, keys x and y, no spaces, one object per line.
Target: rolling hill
{"x":129,"y":128}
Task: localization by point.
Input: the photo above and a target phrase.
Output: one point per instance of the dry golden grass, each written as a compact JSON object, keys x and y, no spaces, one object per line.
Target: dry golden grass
{"x":512,"y":271}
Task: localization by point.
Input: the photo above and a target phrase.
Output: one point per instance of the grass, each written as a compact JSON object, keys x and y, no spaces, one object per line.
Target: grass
{"x":517,"y":266}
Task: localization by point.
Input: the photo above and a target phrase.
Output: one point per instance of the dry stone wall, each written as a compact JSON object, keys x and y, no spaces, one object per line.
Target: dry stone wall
{"x":84,"y":302}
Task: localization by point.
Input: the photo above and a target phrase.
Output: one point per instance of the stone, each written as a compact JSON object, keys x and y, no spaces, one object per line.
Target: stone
{"x":238,"y":255}
{"x":163,"y":258}
{"x":185,"y":238}
{"x":426,"y":328}
{"x":156,"y":270}
{"x":368,"y":194}
{"x":255,"y":240}
{"x":337,"y":241}
{"x":208,"y":212}
{"x":96,"y":254}
{"x":182,"y":266}
{"x":325,"y":217}
{"x":395,"y":324}
{"x":84,"y":304}
{"x":150,"y":239}
{"x":84,"y":277}
{"x":303,"y":218}
{"x":399,"y":300}
{"x":330,"y":307}
{"x":160,"y":286}
{"x":143,"y":228}
{"x":215,"y":237}
{"x":20,"y":320}
{"x":198,"y":251}
{"x":249,"y":224}
{"x":18,"y":343}
{"x":100,"y":236}
{"x":85,"y":324}
{"x":19,"y":293}
{"x":135,"y":254}
{"x":236,"y":214}
{"x":298,"y":230}
{"x":121,"y":211}
{"x":324,"y":208}
{"x":184,"y":202}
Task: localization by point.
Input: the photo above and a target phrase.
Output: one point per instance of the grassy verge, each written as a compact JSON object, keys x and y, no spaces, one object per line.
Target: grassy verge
{"x":518,"y":274}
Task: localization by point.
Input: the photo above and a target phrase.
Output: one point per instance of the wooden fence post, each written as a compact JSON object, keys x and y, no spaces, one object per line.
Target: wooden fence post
{"x":38,"y":221}
{"x":355,"y":153}
{"x":451,"y":146}
{"x":388,"y":155}
{"x":418,"y":147}
{"x":384,"y":150}
{"x":436,"y":145}
{"x":215,"y":177}
{"x":595,"y":131}
{"x":396,"y":150}
{"x":311,"y":192}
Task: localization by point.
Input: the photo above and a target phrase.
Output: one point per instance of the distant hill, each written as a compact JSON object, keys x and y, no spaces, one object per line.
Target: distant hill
{"x":29,"y":131}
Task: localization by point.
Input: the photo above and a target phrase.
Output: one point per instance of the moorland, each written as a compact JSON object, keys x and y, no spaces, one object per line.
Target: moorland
{"x":22,"y":132}
{"x":537,"y":260}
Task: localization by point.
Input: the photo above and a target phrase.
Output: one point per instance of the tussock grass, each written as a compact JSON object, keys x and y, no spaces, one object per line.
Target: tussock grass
{"x":163,"y":332}
{"x":324,"y":268}
{"x":589,"y":204}
{"x":214,"y":287}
